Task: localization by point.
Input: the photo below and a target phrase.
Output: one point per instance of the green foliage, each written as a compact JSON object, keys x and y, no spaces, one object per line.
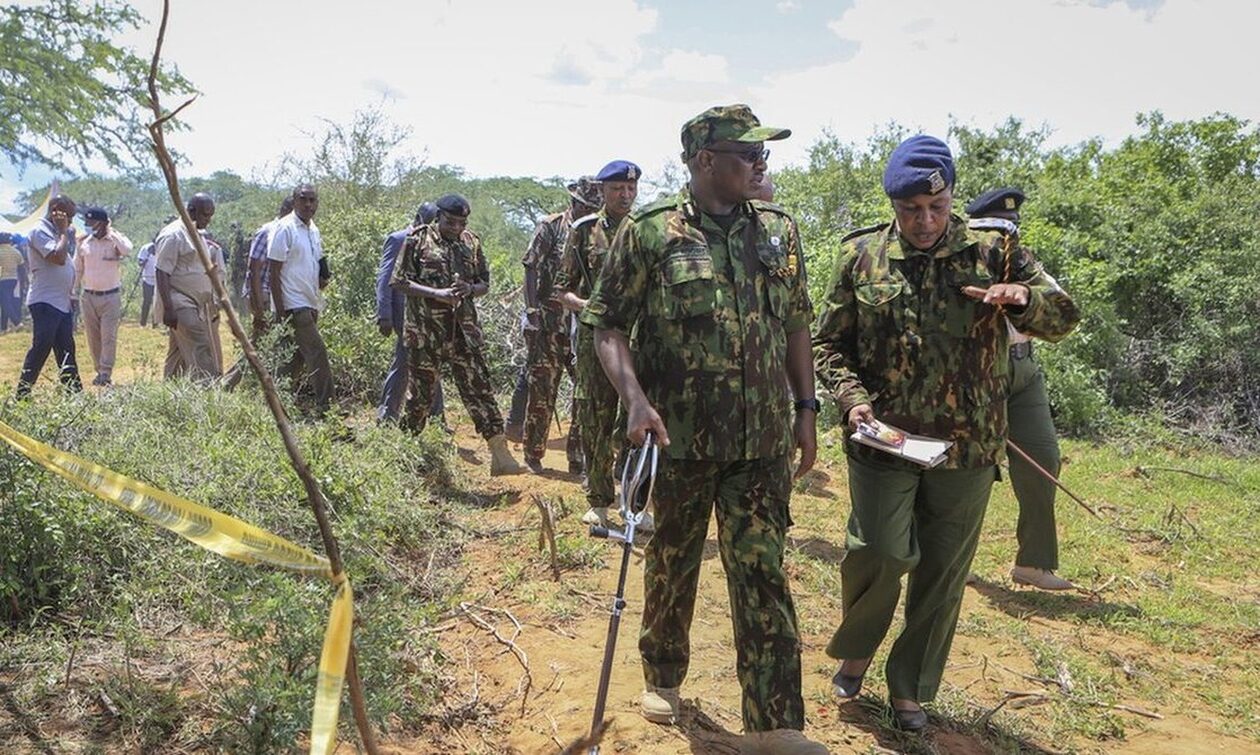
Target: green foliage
{"x":59,"y":62}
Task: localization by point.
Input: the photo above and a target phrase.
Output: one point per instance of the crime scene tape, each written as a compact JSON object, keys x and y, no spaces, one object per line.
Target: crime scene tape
{"x":229,"y":537}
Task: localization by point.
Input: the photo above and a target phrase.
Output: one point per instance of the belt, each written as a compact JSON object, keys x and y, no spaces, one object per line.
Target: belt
{"x":1022,"y":350}
{"x":113,"y":290}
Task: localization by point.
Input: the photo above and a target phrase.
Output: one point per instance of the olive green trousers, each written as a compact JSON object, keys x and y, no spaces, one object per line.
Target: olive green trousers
{"x":921,"y":522}
{"x":1032,"y":429}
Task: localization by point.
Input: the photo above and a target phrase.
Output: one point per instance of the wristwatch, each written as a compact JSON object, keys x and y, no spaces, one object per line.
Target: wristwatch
{"x":809,"y":403}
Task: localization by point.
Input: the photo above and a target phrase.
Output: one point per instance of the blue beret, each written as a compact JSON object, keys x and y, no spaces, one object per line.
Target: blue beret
{"x":454,"y":204}
{"x":1004,"y":199}
{"x":921,"y":164}
{"x":619,"y":170}
{"x":426,"y":212}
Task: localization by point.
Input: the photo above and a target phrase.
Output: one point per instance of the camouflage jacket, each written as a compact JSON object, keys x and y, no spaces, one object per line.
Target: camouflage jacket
{"x":430,"y":260}
{"x":897,"y":332}
{"x":584,"y":253}
{"x":710,"y":310}
{"x":544,"y":255}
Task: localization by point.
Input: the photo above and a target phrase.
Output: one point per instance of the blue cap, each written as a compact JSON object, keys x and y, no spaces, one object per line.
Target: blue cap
{"x":619,"y":170}
{"x":426,"y":212}
{"x":921,"y":164}
{"x":1004,"y":199}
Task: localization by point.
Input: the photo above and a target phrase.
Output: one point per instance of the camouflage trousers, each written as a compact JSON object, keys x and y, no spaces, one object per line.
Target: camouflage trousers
{"x":751,"y":499}
{"x":547,"y":358}
{"x":596,"y":411}
{"x":442,"y":339}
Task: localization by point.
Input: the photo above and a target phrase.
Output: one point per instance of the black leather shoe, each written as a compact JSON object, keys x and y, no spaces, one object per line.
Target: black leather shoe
{"x":847,"y":686}
{"x":910,"y":720}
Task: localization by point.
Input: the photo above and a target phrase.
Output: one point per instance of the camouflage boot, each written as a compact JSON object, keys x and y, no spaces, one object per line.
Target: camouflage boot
{"x":501,"y":461}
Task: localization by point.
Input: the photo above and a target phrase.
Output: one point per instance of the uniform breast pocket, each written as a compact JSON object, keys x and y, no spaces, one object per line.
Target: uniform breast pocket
{"x":687,"y":283}
{"x":880,"y":304}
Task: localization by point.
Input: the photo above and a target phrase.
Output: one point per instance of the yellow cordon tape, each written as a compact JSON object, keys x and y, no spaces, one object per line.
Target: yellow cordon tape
{"x":229,"y":537}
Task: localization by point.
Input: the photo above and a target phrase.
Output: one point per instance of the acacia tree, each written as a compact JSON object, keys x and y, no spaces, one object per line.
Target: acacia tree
{"x":58,"y":62}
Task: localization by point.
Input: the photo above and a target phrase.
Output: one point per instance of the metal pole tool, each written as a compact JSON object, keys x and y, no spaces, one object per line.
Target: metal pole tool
{"x":638,"y":476}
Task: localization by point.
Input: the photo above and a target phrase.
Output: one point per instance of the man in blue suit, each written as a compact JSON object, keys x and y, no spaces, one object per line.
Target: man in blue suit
{"x":390,"y":313}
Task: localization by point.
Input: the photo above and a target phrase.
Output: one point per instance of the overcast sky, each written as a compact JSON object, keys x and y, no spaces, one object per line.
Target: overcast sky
{"x":559,"y":87}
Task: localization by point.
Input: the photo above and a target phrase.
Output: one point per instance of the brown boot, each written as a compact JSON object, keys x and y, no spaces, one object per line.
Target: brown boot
{"x":501,"y":461}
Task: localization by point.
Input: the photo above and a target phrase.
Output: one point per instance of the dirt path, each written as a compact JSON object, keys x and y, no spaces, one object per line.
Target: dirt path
{"x":564,"y":624}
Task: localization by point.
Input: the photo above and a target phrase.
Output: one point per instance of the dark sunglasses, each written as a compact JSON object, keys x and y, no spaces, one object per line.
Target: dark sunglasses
{"x":750,"y":156}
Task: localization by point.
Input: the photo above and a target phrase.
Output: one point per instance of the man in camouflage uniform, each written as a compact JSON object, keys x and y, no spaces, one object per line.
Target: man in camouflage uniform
{"x":442,"y":269}
{"x":547,"y":327}
{"x":912,"y":333}
{"x":1030,"y":423}
{"x":596,"y":403}
{"x":712,"y":286}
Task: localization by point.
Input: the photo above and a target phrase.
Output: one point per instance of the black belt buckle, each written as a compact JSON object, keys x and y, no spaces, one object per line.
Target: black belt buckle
{"x":1021,"y":350}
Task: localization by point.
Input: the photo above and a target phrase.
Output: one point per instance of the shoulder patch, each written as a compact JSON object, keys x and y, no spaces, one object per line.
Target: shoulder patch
{"x":863,"y":231}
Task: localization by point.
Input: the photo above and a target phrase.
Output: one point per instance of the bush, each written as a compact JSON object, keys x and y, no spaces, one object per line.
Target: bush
{"x":67,"y":556}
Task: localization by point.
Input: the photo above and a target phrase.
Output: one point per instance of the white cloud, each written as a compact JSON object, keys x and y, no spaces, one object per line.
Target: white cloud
{"x":683,"y":66}
{"x":1082,"y":67}
{"x":787,"y":6}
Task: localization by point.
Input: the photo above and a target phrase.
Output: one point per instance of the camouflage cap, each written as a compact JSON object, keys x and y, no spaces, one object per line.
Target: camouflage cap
{"x":726,"y":123}
{"x":587,"y":191}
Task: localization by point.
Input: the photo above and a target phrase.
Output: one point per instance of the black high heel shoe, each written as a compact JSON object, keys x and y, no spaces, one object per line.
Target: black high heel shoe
{"x":848,"y":687}
{"x":909,"y":720}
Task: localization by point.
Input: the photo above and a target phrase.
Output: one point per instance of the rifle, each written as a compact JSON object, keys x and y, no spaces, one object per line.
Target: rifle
{"x":635,"y":494}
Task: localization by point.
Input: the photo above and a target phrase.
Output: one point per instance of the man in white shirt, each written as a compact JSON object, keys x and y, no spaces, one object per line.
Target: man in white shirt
{"x":295,"y":253}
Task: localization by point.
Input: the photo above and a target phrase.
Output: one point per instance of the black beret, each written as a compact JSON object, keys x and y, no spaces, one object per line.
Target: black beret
{"x":1003,"y":199}
{"x":426,"y":212}
{"x":454,"y":204}
{"x":921,"y":164}
{"x":95,"y":213}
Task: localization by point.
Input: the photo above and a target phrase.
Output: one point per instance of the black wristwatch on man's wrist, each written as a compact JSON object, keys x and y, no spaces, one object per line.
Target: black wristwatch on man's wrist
{"x":809,"y":403}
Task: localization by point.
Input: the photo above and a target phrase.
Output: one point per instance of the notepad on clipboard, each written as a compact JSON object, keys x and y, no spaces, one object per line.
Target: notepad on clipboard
{"x":920,"y":449}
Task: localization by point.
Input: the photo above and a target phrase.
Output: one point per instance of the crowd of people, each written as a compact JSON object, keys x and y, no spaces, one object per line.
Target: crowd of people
{"x":688,"y":318}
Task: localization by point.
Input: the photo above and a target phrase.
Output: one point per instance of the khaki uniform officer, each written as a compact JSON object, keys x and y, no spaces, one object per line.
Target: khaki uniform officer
{"x":186,"y":297}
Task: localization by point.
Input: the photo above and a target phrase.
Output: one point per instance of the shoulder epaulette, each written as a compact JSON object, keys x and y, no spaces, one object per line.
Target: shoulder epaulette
{"x":761,"y":205}
{"x":664,"y":203}
{"x":863,"y":231}
{"x":470,"y":235}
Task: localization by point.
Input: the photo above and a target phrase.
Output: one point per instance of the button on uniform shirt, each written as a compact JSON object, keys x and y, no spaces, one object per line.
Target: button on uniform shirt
{"x":298,"y":246}
{"x":148,"y":264}
{"x":97,"y":265}
{"x":177,"y":257}
{"x":50,"y":284}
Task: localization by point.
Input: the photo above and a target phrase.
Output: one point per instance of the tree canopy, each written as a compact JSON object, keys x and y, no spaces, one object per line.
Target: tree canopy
{"x":58,"y":62}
